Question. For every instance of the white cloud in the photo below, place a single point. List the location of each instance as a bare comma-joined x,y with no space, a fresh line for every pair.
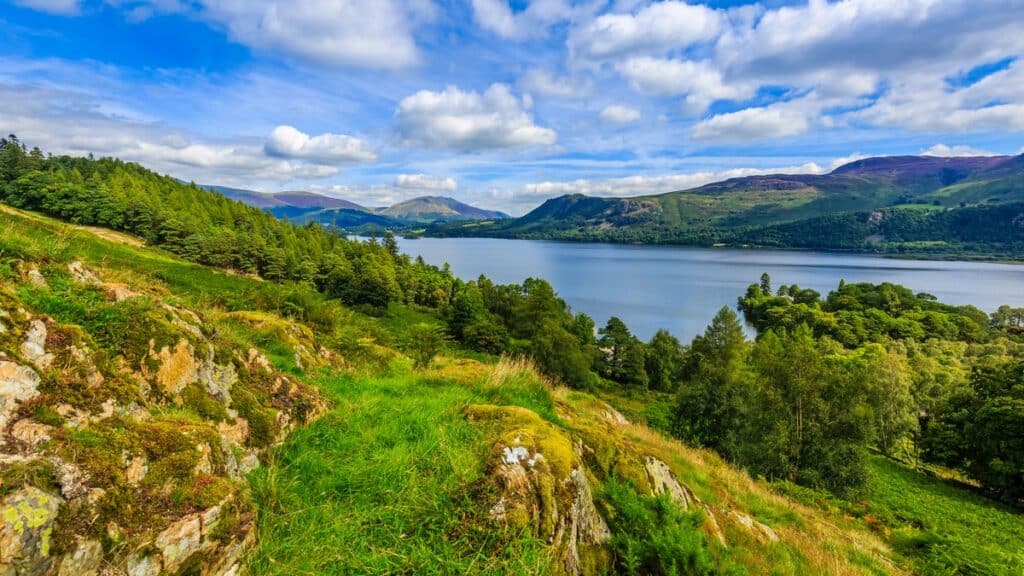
498,17
945,151
543,82
425,182
699,81
64,121
288,142
658,27
60,7
927,104
618,114
365,33
774,121
469,121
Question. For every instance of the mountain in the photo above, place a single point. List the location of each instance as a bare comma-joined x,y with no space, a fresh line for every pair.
305,207
434,208
890,204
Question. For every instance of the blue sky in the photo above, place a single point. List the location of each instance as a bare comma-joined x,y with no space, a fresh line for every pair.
505,103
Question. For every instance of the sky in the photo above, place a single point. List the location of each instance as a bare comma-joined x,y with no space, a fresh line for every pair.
505,103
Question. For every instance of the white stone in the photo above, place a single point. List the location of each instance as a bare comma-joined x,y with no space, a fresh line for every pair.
17,384
34,346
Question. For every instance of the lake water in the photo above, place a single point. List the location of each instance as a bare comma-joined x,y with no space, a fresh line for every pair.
677,288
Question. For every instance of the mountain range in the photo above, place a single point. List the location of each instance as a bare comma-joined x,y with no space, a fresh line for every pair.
305,207
903,204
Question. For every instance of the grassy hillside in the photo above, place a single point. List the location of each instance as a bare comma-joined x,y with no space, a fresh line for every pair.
407,470
898,205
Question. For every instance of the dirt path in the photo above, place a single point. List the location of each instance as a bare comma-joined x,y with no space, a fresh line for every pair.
106,234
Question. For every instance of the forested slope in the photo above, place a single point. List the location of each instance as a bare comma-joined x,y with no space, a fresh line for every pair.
900,205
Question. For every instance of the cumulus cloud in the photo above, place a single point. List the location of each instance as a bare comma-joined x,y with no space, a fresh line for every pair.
364,33
498,17
658,27
543,82
618,114
289,142
759,123
469,121
65,121
425,182
700,82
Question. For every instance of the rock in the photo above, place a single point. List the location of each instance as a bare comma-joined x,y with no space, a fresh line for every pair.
17,384
36,278
28,516
586,526
144,564
119,292
203,463
179,541
82,274
761,531
34,346
712,526
664,482
137,469
613,416
226,562
30,432
85,561
178,368
257,359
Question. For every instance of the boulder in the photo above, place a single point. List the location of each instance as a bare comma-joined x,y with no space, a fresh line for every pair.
28,516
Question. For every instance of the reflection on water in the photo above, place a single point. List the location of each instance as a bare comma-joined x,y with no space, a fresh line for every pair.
678,288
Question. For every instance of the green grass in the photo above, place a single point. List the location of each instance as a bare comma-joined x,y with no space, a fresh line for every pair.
942,528
382,484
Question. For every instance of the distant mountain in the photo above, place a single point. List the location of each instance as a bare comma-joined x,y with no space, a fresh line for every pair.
434,208
311,207
869,204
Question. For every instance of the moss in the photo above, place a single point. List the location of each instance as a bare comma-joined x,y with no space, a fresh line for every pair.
262,421
46,415
512,423
38,473
196,397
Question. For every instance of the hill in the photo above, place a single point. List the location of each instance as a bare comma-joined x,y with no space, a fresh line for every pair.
434,208
305,207
908,204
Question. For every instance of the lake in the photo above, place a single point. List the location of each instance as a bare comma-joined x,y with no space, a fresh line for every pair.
679,288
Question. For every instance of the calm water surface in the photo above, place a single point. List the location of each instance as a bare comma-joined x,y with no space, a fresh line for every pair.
652,287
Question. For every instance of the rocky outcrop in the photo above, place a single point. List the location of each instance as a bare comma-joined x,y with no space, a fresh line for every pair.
542,485
132,459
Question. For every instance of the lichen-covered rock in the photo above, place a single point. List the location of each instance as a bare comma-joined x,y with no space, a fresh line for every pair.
82,274
17,384
759,530
30,433
179,541
27,518
84,561
664,482
542,484
178,367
